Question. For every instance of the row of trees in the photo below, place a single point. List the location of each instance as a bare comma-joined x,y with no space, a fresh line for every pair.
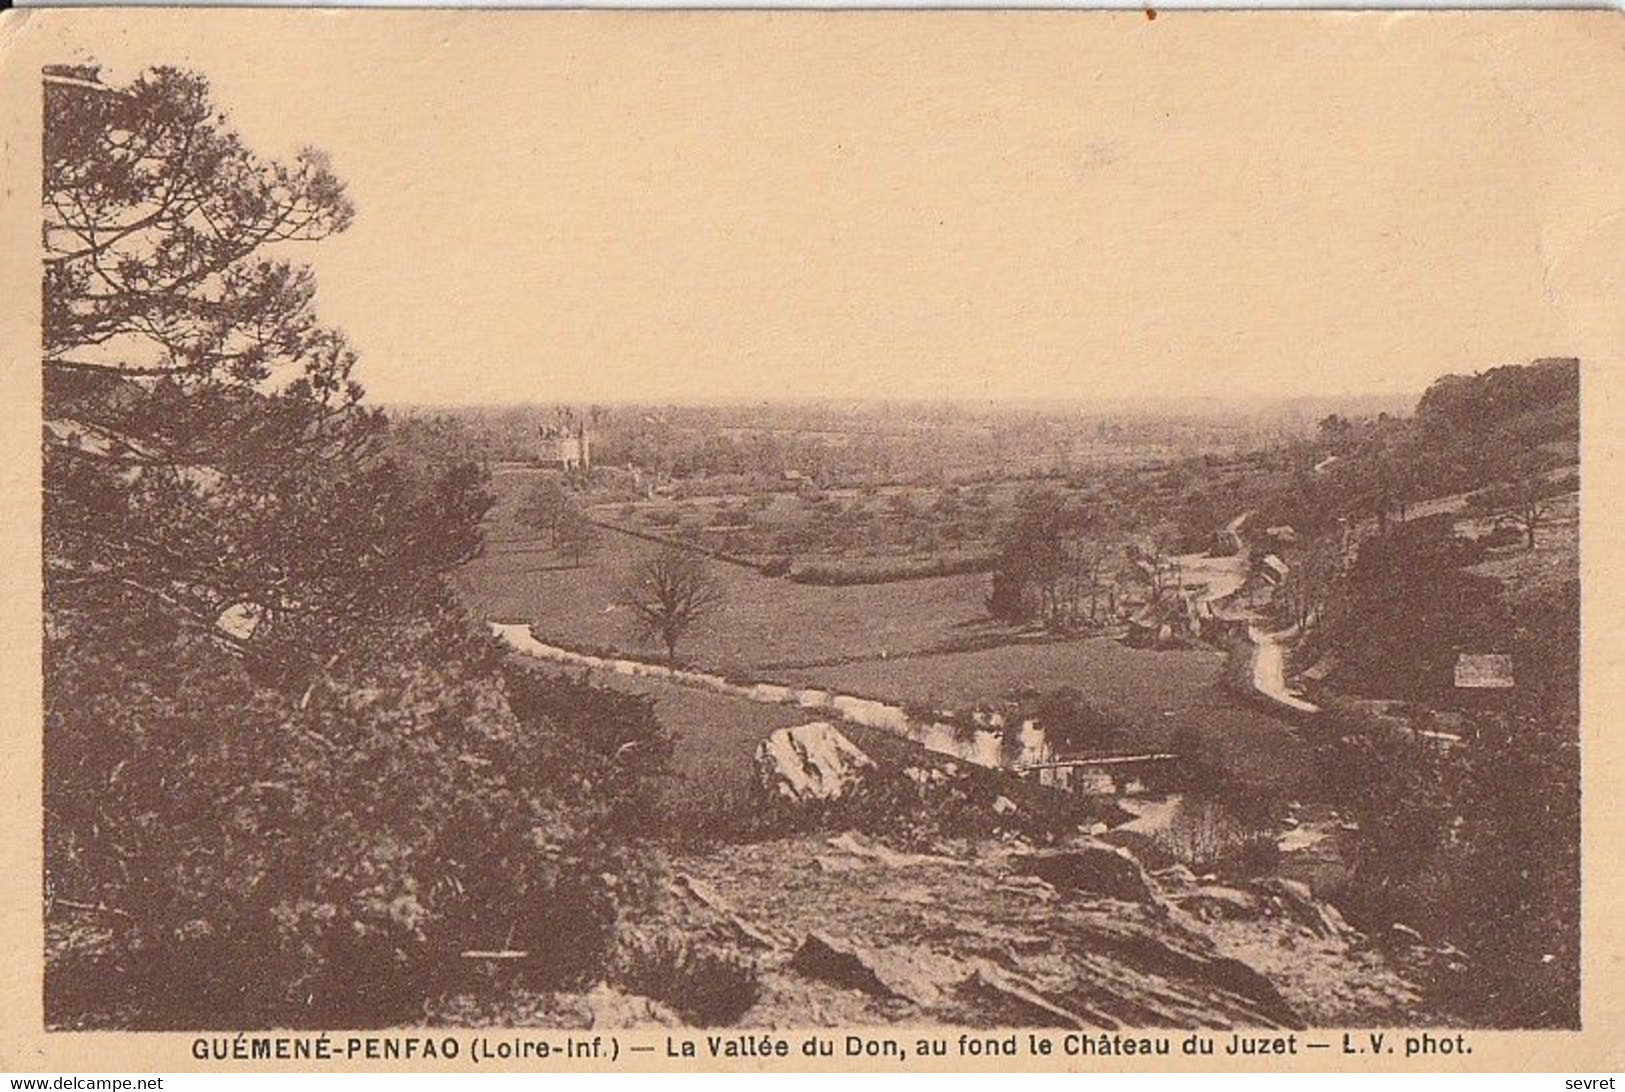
1505,430
1057,564
551,510
843,442
1069,565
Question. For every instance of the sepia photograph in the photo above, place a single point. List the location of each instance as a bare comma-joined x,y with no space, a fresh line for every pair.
768,521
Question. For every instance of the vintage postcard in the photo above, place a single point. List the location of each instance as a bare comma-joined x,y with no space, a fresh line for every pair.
834,540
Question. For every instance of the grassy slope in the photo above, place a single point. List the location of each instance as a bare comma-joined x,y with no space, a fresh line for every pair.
1555,560
713,761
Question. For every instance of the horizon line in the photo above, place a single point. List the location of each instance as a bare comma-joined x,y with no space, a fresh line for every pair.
1229,404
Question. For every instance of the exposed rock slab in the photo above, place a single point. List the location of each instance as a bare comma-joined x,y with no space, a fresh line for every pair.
1109,871
895,974
1213,901
811,762
1297,903
983,941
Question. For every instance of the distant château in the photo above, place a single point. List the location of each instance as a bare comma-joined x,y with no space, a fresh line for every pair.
565,447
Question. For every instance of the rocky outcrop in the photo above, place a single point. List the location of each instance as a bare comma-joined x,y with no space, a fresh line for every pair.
608,1007
1094,868
811,762
907,975
728,920
994,933
1295,902
1001,991
1212,902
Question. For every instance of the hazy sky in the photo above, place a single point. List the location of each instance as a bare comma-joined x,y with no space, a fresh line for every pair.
659,207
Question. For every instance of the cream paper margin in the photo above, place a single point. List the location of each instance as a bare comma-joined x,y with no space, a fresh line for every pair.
1573,134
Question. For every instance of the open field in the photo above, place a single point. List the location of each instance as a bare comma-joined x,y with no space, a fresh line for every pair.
1160,693
763,622
884,641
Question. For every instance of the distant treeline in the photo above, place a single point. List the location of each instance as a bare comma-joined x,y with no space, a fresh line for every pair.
860,443
1468,433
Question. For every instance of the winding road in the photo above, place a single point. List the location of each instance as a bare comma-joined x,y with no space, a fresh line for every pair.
1269,669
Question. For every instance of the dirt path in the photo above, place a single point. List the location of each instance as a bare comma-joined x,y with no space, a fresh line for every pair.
1269,669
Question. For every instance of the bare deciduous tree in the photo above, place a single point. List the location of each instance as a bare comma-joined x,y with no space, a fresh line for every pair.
1154,558
575,533
1087,581
670,592
1529,509
1310,584
542,508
